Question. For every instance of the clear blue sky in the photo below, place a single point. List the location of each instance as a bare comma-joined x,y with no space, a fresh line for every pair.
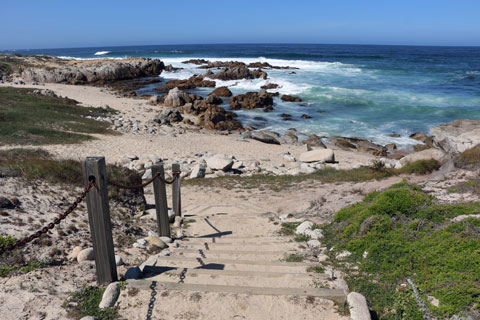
85,23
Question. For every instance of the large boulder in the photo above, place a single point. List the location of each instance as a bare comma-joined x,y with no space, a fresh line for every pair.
360,144
289,138
252,100
110,296
358,306
222,92
176,98
289,98
190,83
263,136
457,136
326,155
428,154
168,116
219,163
314,141
236,73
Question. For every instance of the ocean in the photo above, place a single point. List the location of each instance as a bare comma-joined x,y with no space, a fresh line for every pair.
368,91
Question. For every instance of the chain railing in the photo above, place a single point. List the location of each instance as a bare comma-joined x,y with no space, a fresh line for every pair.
51,225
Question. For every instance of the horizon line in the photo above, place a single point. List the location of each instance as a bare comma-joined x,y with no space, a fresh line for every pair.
247,43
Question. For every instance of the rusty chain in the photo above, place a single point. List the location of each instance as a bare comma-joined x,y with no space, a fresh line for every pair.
51,225
176,175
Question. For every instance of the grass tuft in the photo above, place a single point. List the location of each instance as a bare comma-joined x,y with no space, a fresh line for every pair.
293,257
469,159
85,301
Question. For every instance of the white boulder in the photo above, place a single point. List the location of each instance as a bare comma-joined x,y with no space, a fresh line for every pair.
326,155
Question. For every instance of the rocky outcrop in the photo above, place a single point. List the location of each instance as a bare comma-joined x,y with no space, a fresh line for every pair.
205,64
221,92
252,100
430,154
176,98
96,72
270,86
288,98
360,144
236,73
314,141
196,61
190,83
457,136
211,116
263,136
289,138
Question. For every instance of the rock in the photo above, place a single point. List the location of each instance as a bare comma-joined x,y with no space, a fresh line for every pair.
434,301
457,136
288,98
289,138
252,100
180,234
141,243
304,227
118,260
89,318
171,216
168,116
237,73
263,136
428,154
326,155
133,273
342,255
237,165
221,92
213,99
358,306
289,158
147,175
391,147
360,144
176,98
306,116
219,163
166,239
270,86
198,171
314,141
86,255
74,254
314,234
5,203
314,244
178,222
420,136
155,99
157,242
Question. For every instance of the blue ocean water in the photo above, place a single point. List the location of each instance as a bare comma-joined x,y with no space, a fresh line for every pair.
349,90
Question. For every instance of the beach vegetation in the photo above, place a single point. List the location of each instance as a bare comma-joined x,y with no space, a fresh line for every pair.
31,119
288,228
85,302
469,159
294,257
404,234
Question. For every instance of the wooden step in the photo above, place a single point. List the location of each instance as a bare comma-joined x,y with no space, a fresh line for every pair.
232,252
336,295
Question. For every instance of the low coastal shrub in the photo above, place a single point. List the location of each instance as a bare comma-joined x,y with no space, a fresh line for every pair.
31,119
288,228
293,257
85,302
403,233
421,167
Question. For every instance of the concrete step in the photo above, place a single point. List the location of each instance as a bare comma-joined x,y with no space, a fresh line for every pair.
236,278
336,295
229,254
232,264
235,239
242,247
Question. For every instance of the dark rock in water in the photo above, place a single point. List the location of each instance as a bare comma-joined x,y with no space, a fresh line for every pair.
394,135
306,116
286,116
267,65
190,83
270,86
420,136
263,136
168,116
236,73
288,98
251,100
213,99
5,203
391,147
360,144
221,92
217,118
224,64
196,61
171,68
314,141
96,72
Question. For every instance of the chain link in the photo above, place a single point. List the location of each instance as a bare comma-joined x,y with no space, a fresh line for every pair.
51,225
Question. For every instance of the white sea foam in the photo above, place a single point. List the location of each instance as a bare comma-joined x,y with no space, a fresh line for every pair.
101,53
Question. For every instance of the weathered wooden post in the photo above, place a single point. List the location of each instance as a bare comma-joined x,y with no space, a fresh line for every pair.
161,206
176,194
99,218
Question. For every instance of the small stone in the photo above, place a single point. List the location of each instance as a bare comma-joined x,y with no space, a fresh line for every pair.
133,273
5,203
358,306
180,234
218,163
314,234
322,257
166,239
314,243
157,242
304,227
110,296
132,157
86,255
171,216
152,234
89,318
147,175
118,260
344,254
289,158
178,221
141,243
198,171
74,254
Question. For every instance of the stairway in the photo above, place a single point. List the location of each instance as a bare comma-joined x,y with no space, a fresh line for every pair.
236,253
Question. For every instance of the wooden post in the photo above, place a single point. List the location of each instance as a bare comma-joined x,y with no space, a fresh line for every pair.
99,218
176,194
161,206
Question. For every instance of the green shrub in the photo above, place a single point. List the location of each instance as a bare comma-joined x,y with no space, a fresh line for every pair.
293,257
469,159
421,167
403,233
85,301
